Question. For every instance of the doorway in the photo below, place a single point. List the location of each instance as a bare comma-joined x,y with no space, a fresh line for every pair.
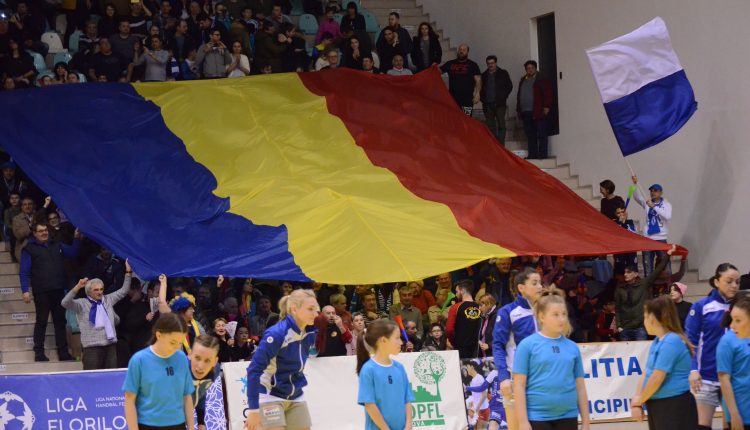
547,54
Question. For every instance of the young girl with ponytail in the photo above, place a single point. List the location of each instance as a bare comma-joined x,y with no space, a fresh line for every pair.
384,388
548,385
664,388
704,330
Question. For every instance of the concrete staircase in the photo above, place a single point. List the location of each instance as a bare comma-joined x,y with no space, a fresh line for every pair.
17,328
411,16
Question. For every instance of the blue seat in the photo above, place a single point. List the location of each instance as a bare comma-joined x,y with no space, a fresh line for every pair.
62,57
308,24
338,17
371,23
39,63
297,9
345,4
73,41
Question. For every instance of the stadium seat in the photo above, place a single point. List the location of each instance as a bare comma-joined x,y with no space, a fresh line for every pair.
338,17
39,63
345,4
61,24
62,57
371,22
73,41
52,39
308,24
297,9
81,77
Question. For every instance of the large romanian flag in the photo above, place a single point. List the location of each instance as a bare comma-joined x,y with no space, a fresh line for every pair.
335,176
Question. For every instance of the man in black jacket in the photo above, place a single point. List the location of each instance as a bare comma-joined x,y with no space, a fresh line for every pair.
496,87
42,269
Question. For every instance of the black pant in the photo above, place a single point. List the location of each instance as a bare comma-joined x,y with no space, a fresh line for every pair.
46,302
100,357
678,412
536,135
561,424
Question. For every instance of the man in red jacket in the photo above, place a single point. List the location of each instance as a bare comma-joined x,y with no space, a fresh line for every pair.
533,103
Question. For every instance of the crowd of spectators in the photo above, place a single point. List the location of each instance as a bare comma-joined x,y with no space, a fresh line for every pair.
163,40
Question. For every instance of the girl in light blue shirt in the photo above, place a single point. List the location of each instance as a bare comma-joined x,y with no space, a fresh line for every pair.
384,388
548,382
664,388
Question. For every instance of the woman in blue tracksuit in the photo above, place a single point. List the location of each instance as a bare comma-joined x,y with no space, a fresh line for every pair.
274,376
704,329
515,321
732,363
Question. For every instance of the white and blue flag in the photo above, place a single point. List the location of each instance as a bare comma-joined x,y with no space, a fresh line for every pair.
644,89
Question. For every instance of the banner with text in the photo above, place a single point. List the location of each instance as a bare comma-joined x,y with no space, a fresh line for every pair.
611,372
331,394
91,400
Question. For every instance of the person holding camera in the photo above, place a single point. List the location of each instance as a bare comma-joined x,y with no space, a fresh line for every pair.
213,57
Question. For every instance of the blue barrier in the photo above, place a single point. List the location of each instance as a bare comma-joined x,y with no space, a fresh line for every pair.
90,400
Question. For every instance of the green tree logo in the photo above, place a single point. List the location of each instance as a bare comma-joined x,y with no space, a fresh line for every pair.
429,369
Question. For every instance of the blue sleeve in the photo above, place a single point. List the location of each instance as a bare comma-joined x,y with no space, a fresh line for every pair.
500,336
485,385
133,377
72,249
578,364
25,271
521,360
366,392
693,327
669,354
724,355
267,349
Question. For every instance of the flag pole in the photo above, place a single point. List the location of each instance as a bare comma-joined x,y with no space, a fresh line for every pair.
632,173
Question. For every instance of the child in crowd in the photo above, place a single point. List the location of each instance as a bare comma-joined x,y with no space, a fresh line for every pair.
733,362
243,346
436,339
606,329
548,385
665,388
509,332
158,386
387,405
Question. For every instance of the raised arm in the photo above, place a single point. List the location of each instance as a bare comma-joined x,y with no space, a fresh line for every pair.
123,291
163,305
69,302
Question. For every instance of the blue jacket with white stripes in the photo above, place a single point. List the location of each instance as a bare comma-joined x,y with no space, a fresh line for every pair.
515,321
704,330
278,362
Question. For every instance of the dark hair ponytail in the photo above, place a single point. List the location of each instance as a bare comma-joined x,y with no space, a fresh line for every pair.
720,269
369,339
168,323
665,312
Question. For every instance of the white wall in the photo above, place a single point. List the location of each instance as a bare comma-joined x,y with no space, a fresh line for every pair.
705,168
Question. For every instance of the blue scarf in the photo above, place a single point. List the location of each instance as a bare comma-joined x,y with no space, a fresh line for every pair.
654,221
100,320
92,312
